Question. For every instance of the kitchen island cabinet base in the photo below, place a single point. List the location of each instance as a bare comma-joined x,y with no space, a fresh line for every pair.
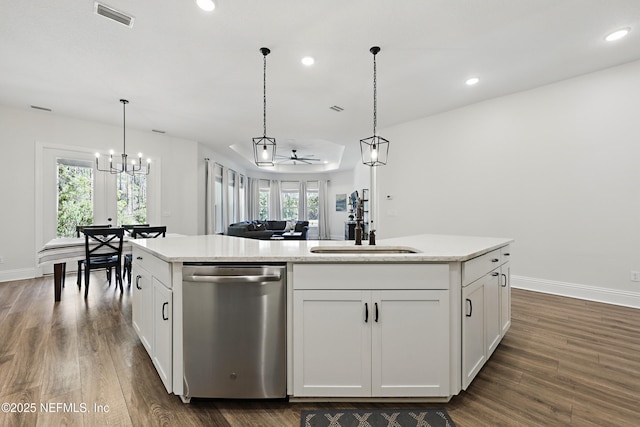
446,399
430,280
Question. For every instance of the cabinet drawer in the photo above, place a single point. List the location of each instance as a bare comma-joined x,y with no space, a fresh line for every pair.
371,276
477,267
158,268
505,254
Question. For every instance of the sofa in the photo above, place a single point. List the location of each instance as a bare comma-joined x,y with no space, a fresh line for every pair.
269,230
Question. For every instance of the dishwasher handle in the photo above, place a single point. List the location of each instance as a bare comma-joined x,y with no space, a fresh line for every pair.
233,279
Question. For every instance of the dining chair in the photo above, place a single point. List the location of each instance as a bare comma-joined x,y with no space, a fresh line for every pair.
129,227
79,230
148,232
103,249
141,232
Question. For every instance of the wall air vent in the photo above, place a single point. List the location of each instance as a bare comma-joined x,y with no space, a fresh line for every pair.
336,108
113,14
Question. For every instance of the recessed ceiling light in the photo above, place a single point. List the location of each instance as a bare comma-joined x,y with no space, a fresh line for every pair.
617,35
307,60
206,5
472,81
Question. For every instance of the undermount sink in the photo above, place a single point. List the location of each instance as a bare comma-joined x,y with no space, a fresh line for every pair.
364,249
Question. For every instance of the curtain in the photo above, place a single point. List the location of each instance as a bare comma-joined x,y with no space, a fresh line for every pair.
275,210
323,211
208,197
302,201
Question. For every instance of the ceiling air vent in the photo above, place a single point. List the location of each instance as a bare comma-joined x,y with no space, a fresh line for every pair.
36,107
113,14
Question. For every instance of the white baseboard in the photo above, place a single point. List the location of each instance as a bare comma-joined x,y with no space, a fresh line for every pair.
573,290
20,274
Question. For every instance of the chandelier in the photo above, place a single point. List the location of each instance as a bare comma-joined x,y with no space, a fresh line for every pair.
374,149
133,168
264,147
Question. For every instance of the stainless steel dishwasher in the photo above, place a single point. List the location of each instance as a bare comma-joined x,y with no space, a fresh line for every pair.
234,331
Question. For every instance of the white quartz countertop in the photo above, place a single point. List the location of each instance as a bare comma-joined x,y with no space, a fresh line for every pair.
219,248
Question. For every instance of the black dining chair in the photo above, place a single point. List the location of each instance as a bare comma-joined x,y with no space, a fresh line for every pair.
129,227
103,249
141,232
79,229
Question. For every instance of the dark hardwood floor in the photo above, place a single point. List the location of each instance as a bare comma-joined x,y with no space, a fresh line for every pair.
563,362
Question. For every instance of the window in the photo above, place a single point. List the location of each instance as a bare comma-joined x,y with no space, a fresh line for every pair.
75,195
132,199
290,193
264,199
312,203
217,203
242,198
231,195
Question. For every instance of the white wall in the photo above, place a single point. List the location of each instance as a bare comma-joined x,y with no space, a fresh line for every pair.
557,168
20,129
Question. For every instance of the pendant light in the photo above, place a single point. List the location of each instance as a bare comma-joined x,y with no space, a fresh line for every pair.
135,168
264,148
374,149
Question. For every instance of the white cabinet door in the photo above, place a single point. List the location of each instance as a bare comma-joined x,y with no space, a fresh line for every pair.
162,332
493,328
473,334
332,343
142,300
410,345
505,297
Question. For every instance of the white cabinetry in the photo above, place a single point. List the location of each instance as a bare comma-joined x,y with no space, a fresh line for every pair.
371,330
486,309
505,291
162,332
473,333
142,315
152,311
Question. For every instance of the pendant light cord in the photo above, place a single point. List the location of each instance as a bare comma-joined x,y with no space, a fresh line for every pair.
264,95
124,127
375,102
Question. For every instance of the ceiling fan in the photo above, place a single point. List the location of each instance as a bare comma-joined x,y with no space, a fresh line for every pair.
294,158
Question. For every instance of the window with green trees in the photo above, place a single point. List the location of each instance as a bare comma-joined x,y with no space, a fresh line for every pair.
75,196
132,199
263,195
312,202
290,198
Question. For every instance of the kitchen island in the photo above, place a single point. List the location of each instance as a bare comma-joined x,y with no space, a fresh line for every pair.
412,318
